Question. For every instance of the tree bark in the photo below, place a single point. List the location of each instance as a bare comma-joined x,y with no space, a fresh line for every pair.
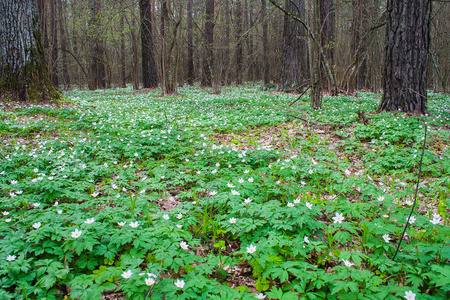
240,47
208,40
190,45
63,35
316,80
97,66
265,44
228,61
295,56
23,70
327,18
149,74
406,56
123,83
54,30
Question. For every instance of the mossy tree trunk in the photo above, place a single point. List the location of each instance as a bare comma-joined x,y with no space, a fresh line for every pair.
406,56
23,70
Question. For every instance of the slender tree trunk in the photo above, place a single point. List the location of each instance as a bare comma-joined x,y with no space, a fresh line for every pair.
149,74
250,54
316,81
294,64
240,46
406,56
23,71
134,48
327,21
163,46
63,35
54,30
208,40
190,45
97,73
265,43
123,83
228,61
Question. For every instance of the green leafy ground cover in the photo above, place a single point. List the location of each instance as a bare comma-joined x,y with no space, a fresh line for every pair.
222,197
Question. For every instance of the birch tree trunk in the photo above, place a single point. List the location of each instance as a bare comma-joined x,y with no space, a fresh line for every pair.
23,70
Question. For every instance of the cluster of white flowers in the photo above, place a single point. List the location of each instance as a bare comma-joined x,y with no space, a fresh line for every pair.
436,219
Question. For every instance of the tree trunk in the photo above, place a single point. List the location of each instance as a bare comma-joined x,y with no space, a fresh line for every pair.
123,83
240,47
208,39
23,70
190,45
228,62
406,56
97,76
149,74
54,30
265,44
327,18
294,64
63,35
316,80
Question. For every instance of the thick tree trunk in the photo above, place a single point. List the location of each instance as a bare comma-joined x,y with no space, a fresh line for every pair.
295,55
406,56
54,30
208,39
190,45
63,35
240,46
149,74
265,44
23,70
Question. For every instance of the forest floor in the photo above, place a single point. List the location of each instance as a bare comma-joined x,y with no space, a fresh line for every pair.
125,195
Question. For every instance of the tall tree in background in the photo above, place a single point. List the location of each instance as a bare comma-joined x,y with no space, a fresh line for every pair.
315,53
208,40
294,61
406,56
54,57
149,74
63,35
240,46
123,83
265,45
190,45
171,17
97,71
23,70
327,22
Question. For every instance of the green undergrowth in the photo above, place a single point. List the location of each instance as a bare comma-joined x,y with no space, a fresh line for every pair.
230,196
